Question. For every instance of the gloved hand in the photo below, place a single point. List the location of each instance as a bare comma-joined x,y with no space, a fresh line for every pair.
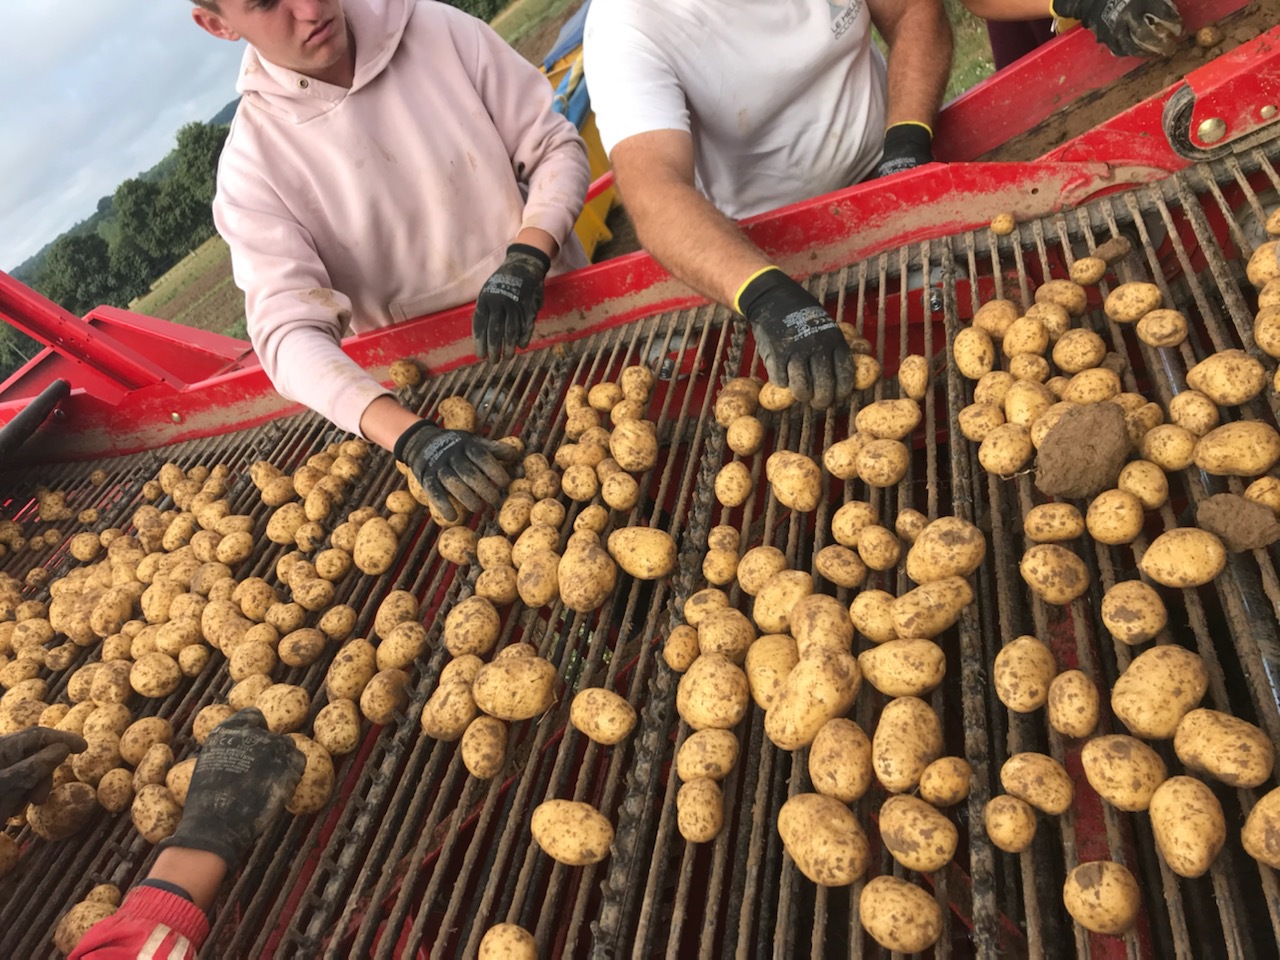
1128,28
800,344
509,302
244,777
455,462
907,144
27,761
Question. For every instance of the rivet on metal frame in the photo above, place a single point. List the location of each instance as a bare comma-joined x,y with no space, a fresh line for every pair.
1212,130
176,417
1267,112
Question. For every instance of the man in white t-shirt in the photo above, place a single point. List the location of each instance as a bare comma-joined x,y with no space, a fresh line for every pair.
715,110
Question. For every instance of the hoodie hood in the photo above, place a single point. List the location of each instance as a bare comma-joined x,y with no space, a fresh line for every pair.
377,26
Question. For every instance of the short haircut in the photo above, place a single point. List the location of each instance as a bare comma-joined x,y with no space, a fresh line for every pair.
208,5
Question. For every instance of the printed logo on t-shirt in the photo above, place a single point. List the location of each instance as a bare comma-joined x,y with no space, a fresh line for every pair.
843,13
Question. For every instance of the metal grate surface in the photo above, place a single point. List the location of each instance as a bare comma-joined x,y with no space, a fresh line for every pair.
414,858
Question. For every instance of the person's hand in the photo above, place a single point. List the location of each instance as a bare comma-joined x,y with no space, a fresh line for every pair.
800,344
455,462
509,302
244,777
1128,28
906,145
27,761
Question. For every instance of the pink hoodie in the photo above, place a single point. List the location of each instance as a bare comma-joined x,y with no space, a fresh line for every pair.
348,210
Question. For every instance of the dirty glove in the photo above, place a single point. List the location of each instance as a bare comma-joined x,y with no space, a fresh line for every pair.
27,761
800,344
509,302
455,462
906,145
243,779
1128,28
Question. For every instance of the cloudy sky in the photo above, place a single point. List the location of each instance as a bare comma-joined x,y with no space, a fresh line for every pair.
95,92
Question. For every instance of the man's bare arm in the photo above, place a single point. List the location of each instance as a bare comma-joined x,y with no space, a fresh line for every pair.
920,47
1008,9
680,227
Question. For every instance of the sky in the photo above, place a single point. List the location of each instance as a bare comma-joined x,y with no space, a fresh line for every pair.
97,90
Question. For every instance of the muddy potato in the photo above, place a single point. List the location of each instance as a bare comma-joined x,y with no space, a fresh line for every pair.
1188,825
284,706
1123,770
840,760
726,632
1261,833
1115,517
376,546
916,835
1162,328
1088,270
75,923
978,421
848,521
316,786
946,781
930,608
1227,748
1078,350
840,565
733,484
1102,897
646,553
681,648
1039,780
1010,823
634,444
824,839
974,352
154,766
699,810
947,547
1130,302
1157,689
908,737
1184,557
1245,448
1053,523
1228,378
1022,673
795,480
337,727
904,668
899,915
888,419
384,696
516,688
712,693
484,748
995,317
702,603
155,812
1054,573
1030,366
1146,481
472,626
67,809
1133,612
141,735
872,614
449,711
571,832
351,670
769,661
1073,704
774,601
115,790
1026,335
1005,450
1070,296
602,715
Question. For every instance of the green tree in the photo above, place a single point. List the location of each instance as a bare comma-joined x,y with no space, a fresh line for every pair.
77,272
16,348
199,146
136,203
131,271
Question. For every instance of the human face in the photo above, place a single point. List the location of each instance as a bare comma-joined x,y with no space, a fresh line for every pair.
306,36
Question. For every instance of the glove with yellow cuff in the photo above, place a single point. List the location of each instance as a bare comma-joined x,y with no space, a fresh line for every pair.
1128,28
907,144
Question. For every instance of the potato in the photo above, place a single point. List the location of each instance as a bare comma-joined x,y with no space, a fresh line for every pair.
995,317
1026,335
878,548
703,603
1188,825
1227,748
507,941
904,668
824,839
1162,328
1123,771
794,479
337,727
946,781
646,553
821,686
727,632
399,649
1147,482
571,832
757,566
1130,302
1005,450
284,706
817,621
384,696
841,458
1054,574
1070,296
634,444
1039,780
472,626
888,419
1088,270
774,601
700,810
710,754
316,786
68,809
917,835
1030,366
586,577
155,812
449,711
899,915
908,737
1010,823
872,614
1073,704
1053,523
947,547
1096,385
376,547
517,688
712,693
1115,517
155,675
1026,402
1245,448
154,766
840,565
1133,612
1263,266
719,567
840,760
931,608
1102,897
733,484
768,662
1022,672
882,463
1261,833
1184,557
973,352
602,715
1228,378
139,737
979,420
75,923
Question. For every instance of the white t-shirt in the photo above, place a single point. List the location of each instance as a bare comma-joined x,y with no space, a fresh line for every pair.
785,99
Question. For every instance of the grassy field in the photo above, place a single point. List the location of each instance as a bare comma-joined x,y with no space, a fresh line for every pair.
200,292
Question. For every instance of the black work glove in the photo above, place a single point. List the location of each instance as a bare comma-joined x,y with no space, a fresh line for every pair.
1128,28
244,777
27,761
509,302
455,462
801,345
906,145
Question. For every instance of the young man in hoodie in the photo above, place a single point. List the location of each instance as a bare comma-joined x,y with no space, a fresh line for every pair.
390,158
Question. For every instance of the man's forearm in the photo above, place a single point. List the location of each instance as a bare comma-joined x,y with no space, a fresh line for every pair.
919,64
1008,9
684,232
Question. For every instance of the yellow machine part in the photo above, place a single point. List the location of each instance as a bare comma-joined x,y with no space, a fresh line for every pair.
591,227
